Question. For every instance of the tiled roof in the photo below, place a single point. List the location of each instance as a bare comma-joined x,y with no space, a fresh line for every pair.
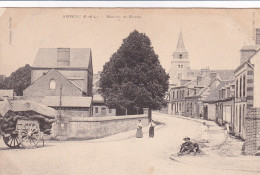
214,94
67,101
47,57
225,74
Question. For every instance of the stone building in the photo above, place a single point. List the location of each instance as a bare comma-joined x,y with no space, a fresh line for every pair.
54,67
62,78
180,64
244,79
63,75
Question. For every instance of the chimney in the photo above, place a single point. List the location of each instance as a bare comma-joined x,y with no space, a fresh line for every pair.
246,53
199,79
63,56
205,72
213,76
257,37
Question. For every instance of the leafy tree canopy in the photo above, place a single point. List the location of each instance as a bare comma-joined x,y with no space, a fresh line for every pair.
18,80
134,78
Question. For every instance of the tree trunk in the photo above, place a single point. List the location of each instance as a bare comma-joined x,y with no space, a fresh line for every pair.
149,115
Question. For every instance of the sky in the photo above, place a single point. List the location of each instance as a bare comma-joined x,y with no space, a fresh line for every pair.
213,37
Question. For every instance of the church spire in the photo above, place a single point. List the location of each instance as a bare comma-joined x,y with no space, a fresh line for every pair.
180,45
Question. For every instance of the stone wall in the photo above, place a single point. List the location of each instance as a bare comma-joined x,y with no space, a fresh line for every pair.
252,143
98,127
95,127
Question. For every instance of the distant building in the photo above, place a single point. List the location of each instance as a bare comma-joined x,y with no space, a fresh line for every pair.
96,83
219,105
180,64
189,88
99,108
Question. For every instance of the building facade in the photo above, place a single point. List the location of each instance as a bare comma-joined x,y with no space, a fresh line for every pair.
244,88
52,68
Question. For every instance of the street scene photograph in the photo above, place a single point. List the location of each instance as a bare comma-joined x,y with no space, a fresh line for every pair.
129,91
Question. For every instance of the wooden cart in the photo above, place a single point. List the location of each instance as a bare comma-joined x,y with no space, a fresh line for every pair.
23,123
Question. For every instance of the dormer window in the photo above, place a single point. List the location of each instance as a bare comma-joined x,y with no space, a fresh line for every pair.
180,55
52,84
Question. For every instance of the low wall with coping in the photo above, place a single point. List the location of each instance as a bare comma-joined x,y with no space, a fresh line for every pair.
98,127
95,127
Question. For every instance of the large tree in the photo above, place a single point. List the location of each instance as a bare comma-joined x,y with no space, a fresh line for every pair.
18,80
134,78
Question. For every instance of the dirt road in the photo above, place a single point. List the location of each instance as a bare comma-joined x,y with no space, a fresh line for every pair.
123,154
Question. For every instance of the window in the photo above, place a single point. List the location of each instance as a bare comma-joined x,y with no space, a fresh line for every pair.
181,66
96,109
180,55
173,94
250,72
52,84
244,86
237,88
240,87
110,111
240,116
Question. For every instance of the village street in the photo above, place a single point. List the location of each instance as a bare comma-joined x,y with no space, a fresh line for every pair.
123,154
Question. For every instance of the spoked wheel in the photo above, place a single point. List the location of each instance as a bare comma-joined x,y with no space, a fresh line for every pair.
29,134
12,140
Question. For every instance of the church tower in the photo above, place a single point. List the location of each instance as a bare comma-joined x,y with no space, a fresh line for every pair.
180,64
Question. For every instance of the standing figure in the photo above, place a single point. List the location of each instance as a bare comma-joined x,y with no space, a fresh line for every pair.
151,129
139,132
204,135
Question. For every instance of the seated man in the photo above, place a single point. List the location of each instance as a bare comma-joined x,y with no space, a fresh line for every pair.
188,146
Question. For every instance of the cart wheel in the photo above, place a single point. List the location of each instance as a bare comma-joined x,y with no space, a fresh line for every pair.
12,140
29,134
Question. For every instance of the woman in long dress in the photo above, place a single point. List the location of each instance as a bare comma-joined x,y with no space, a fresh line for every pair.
139,132
151,129
204,135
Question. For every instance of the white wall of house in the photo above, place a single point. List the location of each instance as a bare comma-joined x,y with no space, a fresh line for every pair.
99,111
212,112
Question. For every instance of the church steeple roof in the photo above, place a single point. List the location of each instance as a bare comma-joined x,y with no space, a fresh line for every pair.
180,45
